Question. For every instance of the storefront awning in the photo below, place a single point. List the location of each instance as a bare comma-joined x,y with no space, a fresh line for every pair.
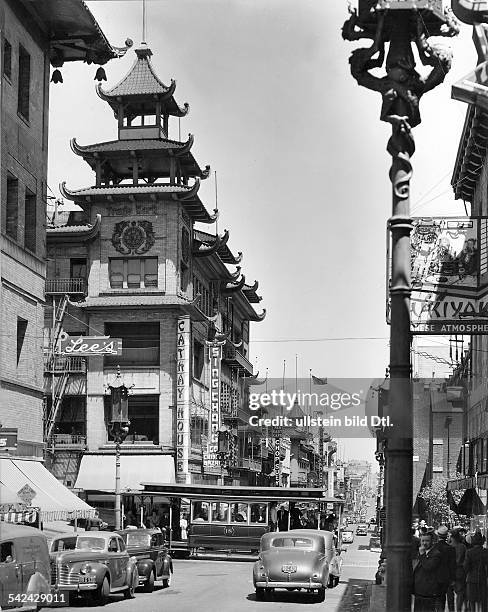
461,483
56,502
97,472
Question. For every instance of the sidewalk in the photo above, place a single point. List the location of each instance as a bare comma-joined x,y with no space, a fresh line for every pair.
377,602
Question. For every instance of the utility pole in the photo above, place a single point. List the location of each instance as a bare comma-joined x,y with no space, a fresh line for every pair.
401,24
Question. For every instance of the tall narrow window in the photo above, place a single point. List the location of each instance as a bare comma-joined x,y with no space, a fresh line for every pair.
21,329
12,218
30,220
24,83
7,59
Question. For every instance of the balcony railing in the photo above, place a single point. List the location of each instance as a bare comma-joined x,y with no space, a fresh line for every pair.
65,363
66,440
66,285
235,359
250,464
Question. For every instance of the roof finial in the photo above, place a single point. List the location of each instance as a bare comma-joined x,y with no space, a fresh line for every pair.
144,41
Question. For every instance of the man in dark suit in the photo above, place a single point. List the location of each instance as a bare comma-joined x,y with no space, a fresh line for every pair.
425,575
447,569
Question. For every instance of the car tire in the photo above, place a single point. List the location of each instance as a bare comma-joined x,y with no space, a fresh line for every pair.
149,584
167,582
260,592
134,583
321,594
101,594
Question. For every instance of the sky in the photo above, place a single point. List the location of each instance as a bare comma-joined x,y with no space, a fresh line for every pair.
300,156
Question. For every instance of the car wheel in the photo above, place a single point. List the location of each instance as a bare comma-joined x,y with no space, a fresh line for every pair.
149,584
321,594
260,593
167,582
134,583
100,595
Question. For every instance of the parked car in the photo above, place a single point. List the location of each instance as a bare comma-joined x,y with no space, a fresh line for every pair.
347,537
153,561
24,568
93,563
362,529
297,559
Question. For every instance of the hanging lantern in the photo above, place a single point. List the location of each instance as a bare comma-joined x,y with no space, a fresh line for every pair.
57,77
100,75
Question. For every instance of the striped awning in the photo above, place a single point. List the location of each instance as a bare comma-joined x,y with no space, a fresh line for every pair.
24,516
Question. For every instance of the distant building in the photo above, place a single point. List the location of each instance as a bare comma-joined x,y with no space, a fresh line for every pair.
133,264
34,36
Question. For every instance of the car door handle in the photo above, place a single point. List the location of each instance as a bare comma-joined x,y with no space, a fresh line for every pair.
17,570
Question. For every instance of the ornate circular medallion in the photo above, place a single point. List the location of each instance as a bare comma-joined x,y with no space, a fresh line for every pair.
133,237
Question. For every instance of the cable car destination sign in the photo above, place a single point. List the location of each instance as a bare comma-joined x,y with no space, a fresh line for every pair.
89,346
449,272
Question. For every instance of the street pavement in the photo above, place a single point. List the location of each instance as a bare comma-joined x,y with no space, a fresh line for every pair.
225,585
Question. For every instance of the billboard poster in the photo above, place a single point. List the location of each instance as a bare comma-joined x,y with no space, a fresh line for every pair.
449,276
210,457
183,400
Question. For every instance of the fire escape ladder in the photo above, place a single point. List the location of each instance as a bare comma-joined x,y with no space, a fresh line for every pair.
57,399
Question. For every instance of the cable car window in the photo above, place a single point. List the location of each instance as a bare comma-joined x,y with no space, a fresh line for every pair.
220,511
200,511
239,513
258,513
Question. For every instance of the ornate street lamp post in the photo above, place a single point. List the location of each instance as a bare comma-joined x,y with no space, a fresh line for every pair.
223,449
400,23
119,428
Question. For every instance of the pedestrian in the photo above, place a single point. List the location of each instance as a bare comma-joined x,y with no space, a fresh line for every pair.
456,594
335,567
415,543
425,570
476,568
184,526
273,517
447,569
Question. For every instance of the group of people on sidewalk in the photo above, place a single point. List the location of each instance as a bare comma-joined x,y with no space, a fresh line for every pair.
450,567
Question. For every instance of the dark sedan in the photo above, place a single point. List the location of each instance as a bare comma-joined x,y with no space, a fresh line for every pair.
153,561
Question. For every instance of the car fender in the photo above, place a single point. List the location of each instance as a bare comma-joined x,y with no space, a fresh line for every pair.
144,567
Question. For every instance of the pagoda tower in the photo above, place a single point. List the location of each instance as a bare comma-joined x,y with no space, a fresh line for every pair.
160,285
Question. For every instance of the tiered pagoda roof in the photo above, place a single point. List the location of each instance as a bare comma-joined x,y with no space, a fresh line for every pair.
141,86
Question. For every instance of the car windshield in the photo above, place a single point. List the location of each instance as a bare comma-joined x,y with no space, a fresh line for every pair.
292,542
138,539
87,543
347,533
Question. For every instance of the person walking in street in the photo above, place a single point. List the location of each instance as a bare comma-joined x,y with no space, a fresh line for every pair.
447,569
476,568
425,575
456,594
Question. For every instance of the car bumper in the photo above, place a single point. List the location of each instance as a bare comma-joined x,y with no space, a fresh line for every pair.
85,586
272,584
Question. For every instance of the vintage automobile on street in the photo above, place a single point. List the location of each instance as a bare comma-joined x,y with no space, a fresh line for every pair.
153,561
347,536
297,559
93,562
362,529
24,568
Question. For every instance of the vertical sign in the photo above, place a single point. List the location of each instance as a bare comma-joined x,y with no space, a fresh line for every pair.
277,461
183,400
210,458
321,457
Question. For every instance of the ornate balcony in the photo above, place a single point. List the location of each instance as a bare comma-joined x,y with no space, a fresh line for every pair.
65,363
253,465
68,441
62,286
235,359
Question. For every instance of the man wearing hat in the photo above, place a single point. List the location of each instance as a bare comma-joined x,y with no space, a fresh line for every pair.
476,568
425,575
446,575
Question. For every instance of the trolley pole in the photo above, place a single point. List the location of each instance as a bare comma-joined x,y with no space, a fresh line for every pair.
400,24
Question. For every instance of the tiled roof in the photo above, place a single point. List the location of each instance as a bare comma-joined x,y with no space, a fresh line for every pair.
129,145
129,190
141,78
59,229
223,252
82,230
134,301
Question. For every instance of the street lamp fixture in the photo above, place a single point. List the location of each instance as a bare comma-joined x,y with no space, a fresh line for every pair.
400,24
119,428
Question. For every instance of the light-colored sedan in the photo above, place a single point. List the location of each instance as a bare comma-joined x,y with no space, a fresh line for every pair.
347,537
294,560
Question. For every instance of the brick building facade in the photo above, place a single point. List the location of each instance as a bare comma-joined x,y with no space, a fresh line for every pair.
134,263
33,37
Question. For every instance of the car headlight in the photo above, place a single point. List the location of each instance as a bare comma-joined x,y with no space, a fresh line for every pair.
85,568
315,575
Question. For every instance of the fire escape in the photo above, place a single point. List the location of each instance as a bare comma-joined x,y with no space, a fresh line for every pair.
58,368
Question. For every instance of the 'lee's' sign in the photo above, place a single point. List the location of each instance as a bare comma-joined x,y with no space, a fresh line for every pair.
86,346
